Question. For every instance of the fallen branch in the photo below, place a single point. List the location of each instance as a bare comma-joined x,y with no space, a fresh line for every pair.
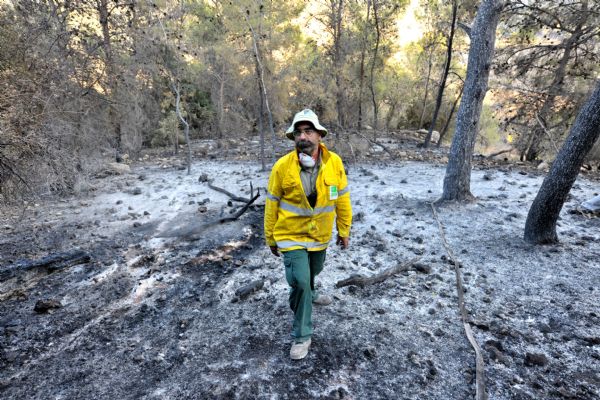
362,281
240,211
51,263
480,367
499,152
231,195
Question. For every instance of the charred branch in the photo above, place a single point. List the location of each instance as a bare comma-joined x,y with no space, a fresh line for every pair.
51,263
240,211
362,281
231,195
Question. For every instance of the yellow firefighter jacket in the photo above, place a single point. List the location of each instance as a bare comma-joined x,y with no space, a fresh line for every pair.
290,222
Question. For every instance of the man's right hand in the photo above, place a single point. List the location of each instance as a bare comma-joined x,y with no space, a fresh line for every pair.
274,250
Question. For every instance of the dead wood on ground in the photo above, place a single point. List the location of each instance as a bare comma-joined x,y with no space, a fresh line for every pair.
240,211
479,365
362,281
387,150
51,263
229,194
250,288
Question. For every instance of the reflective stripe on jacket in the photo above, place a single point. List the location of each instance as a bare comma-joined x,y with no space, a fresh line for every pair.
290,222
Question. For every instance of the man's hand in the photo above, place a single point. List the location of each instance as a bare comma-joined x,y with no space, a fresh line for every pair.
274,250
343,241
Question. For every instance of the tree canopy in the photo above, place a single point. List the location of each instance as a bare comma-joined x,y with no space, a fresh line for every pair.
86,80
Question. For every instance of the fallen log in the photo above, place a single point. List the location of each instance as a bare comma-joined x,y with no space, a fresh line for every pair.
51,263
362,281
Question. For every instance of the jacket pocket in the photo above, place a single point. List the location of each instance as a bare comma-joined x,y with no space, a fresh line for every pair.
331,186
292,191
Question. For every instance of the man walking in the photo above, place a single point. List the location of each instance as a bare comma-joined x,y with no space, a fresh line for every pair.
308,189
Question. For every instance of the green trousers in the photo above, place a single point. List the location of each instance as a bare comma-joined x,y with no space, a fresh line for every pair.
301,268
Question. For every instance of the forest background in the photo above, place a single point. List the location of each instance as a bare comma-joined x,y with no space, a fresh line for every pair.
86,82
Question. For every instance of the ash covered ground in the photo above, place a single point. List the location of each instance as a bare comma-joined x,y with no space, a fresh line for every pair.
154,313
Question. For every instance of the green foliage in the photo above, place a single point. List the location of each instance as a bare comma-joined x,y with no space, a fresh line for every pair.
199,107
167,132
489,130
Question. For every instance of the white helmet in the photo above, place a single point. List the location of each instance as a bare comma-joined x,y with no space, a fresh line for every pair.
306,115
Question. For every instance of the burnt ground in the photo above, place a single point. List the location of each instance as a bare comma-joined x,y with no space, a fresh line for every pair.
154,313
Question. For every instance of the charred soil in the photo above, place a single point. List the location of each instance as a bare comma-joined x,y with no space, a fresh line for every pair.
158,312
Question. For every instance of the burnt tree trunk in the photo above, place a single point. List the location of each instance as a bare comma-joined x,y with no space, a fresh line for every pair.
373,63
457,182
540,227
362,67
440,94
337,15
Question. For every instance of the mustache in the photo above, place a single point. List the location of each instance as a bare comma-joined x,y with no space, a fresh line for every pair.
304,143
305,147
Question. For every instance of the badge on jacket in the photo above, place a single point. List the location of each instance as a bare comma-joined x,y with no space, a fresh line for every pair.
333,193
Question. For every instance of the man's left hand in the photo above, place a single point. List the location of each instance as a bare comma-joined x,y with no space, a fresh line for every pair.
343,241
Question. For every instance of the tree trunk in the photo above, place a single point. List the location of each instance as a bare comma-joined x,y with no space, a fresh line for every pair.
261,132
440,94
221,101
450,114
337,12
390,115
362,67
540,227
457,182
186,125
424,106
261,82
113,113
373,63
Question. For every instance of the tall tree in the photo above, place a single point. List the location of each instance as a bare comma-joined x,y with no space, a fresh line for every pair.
361,72
260,72
336,22
457,181
540,226
442,87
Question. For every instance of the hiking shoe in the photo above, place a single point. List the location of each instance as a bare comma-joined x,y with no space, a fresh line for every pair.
322,300
299,350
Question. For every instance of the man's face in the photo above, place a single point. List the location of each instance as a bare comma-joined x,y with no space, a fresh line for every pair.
306,138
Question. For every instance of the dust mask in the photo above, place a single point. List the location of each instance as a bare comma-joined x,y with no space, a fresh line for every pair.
306,160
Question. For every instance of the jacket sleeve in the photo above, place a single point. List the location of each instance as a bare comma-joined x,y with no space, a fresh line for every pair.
274,193
343,208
